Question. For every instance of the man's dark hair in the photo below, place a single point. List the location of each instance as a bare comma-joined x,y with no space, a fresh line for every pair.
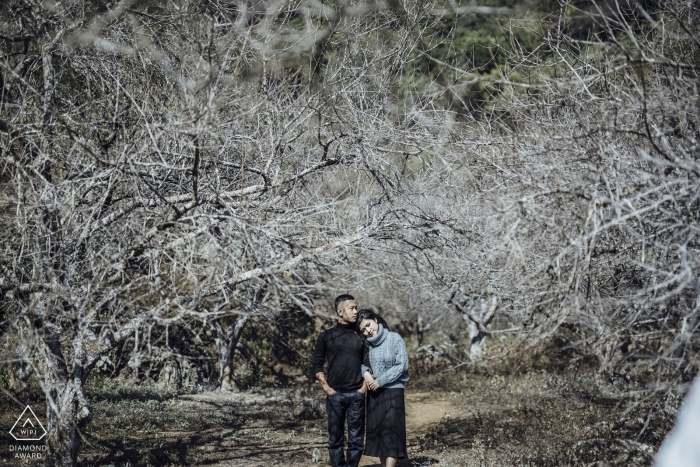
342,298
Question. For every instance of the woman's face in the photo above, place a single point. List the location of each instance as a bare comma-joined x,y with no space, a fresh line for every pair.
369,327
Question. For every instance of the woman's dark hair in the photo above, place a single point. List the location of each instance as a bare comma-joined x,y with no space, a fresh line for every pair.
369,314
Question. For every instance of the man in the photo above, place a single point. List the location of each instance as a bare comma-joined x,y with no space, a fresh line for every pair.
345,388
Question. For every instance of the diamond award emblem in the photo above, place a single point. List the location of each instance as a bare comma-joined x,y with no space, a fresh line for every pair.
28,427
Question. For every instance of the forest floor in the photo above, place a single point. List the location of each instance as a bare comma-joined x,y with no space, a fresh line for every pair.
527,418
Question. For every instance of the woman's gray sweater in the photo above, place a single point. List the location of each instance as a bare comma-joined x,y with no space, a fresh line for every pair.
388,357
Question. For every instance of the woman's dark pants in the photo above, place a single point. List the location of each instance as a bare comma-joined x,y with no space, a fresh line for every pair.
339,407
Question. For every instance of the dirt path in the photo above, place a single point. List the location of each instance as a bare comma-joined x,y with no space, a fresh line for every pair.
535,418
423,409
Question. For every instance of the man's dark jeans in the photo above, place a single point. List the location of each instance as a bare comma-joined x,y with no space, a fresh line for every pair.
339,406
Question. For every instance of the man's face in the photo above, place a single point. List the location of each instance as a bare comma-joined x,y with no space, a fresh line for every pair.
347,312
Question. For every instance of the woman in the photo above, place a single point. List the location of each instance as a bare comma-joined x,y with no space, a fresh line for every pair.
386,410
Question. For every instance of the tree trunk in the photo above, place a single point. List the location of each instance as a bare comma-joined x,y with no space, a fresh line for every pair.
226,346
20,370
61,408
478,317
67,409
477,339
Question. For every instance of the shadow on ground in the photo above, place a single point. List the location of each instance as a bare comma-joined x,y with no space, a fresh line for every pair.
414,462
533,418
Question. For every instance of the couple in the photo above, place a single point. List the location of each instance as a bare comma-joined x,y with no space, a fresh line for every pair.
362,354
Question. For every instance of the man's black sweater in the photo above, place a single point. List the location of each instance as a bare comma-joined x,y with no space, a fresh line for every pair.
345,351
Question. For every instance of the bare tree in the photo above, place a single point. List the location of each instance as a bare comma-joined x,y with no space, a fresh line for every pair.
157,158
201,162
584,204
608,176
572,199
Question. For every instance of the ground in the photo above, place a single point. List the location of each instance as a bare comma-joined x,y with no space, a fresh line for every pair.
527,418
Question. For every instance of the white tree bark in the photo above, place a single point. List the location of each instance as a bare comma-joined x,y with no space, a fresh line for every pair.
478,315
226,342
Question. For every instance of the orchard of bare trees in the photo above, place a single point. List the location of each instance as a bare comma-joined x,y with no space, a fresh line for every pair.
179,178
